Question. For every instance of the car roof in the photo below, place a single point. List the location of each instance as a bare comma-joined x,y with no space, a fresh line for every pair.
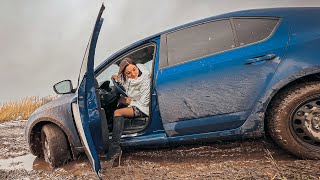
288,12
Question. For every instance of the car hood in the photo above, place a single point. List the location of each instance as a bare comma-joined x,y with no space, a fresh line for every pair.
64,99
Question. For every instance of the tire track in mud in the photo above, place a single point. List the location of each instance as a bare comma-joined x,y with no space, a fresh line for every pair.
245,159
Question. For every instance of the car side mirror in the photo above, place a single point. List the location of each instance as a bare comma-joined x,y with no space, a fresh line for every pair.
63,87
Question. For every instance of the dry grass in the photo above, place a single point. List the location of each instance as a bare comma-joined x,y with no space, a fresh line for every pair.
22,109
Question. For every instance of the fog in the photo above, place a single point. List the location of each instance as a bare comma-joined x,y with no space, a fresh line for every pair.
43,42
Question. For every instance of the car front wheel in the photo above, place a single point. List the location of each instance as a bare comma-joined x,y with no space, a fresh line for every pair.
293,121
54,145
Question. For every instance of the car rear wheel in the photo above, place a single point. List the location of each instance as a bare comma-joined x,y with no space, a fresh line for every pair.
293,121
54,145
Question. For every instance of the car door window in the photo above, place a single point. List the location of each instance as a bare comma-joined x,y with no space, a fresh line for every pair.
199,41
142,55
251,30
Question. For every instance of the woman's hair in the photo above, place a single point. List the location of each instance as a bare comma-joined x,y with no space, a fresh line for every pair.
123,64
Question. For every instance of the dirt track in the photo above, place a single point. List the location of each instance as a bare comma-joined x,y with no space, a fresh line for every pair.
251,159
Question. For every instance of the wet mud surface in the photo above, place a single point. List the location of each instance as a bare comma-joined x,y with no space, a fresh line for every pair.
246,159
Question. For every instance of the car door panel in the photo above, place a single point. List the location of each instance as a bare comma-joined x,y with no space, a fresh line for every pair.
217,88
89,116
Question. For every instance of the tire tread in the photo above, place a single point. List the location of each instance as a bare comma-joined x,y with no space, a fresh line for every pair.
276,123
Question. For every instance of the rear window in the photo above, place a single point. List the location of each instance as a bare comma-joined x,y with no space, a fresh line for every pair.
251,30
199,41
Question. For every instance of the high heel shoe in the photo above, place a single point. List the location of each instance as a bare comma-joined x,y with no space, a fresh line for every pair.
117,159
115,151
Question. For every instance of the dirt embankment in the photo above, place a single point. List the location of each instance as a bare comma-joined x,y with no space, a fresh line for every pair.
251,159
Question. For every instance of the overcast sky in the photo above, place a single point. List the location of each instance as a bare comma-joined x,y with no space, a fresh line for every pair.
43,41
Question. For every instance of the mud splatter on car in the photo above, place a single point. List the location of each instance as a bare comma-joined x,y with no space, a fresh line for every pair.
250,159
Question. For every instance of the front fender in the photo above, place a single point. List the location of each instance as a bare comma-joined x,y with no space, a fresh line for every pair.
58,112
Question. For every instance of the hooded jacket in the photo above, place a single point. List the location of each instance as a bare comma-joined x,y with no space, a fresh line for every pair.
138,90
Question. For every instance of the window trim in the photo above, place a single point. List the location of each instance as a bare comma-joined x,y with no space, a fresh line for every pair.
235,36
163,53
234,32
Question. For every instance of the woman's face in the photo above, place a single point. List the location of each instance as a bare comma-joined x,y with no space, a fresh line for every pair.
131,71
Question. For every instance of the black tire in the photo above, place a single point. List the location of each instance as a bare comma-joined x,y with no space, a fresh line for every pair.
54,145
286,120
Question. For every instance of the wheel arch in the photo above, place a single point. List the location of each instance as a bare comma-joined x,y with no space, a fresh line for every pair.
254,126
34,136
300,80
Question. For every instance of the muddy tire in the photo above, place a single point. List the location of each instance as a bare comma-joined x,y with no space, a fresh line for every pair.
293,120
54,145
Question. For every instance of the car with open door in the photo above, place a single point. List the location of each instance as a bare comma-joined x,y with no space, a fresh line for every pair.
237,75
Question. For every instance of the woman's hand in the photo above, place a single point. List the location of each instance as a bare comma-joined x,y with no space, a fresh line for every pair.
115,77
124,100
128,100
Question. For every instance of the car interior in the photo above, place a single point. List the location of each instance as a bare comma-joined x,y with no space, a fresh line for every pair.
109,93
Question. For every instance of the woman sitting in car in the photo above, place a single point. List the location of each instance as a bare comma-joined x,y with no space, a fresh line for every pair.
136,81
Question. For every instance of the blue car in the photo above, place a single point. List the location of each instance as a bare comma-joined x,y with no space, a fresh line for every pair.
233,76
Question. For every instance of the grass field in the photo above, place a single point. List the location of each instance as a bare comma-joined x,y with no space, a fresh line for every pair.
22,109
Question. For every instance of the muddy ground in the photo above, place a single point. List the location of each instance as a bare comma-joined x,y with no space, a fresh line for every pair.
250,159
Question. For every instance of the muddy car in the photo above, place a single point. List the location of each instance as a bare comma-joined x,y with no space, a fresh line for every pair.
232,76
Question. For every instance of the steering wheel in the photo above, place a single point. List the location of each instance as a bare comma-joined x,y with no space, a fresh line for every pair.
119,88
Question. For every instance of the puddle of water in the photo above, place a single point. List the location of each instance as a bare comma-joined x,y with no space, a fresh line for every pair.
30,162
77,167
41,165
20,162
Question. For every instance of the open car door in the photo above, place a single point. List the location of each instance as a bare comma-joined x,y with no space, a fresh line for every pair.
88,114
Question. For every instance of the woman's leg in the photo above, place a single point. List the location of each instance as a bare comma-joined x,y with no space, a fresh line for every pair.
124,112
118,122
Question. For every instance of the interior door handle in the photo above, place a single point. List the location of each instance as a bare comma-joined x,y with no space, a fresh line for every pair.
261,58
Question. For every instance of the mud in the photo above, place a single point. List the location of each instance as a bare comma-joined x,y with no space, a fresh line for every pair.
247,159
